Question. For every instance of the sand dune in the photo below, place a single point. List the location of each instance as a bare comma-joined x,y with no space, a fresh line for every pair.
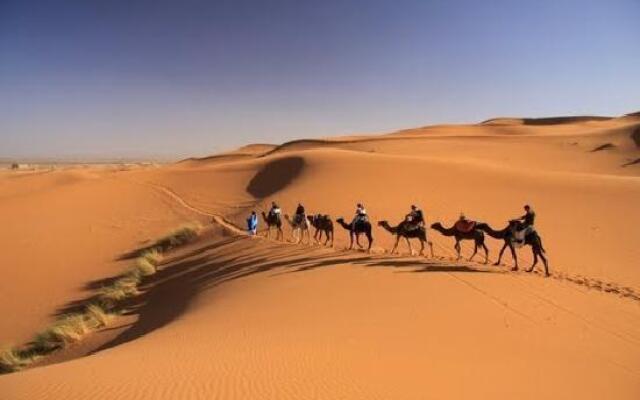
238,317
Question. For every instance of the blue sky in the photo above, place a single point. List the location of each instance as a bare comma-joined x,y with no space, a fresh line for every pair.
177,78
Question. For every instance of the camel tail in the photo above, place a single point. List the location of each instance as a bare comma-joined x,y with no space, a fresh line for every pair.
541,246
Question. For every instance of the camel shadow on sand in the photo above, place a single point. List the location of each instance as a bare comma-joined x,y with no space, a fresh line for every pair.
167,294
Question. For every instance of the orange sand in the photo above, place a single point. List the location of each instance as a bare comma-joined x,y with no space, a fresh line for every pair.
234,317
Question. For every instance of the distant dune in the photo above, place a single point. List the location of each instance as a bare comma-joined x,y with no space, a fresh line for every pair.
543,121
234,317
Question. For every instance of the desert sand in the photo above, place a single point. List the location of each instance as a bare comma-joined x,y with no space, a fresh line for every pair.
235,317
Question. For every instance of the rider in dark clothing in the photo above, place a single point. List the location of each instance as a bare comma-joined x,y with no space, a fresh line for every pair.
275,210
300,214
361,215
528,218
522,229
415,217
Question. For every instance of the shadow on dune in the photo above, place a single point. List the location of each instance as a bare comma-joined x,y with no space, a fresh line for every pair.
635,136
275,176
168,294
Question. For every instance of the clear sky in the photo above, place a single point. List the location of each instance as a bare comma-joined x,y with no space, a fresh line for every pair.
190,77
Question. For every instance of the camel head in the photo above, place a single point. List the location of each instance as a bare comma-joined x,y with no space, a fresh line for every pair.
436,225
340,220
383,223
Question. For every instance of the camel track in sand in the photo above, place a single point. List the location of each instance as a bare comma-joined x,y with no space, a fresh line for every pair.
599,285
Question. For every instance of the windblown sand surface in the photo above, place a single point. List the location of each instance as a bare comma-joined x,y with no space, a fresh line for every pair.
248,318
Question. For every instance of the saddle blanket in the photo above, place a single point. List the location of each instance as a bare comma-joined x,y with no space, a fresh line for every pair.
465,226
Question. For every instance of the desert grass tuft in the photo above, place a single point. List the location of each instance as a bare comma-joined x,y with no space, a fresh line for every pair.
71,328
153,256
11,360
98,315
144,266
68,329
178,237
124,287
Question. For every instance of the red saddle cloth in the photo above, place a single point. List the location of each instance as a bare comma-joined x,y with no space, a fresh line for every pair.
465,226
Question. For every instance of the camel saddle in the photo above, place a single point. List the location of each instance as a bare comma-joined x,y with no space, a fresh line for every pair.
465,226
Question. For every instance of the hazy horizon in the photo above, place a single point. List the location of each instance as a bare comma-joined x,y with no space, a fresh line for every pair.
142,79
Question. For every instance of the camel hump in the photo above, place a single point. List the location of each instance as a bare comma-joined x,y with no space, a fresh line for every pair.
465,226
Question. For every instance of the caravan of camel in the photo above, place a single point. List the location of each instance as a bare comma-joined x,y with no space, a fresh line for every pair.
413,226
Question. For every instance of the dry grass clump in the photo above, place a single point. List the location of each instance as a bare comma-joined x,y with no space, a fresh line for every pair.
67,329
71,328
11,360
98,315
153,256
145,267
124,287
178,237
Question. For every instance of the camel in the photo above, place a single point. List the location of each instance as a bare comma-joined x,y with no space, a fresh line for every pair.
532,239
322,223
476,235
273,221
302,227
402,231
356,231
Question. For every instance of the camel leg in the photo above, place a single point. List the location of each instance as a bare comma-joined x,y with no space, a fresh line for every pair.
395,246
546,264
358,240
537,252
486,253
409,244
535,261
351,244
431,248
370,239
515,257
501,252
475,251
421,248
458,249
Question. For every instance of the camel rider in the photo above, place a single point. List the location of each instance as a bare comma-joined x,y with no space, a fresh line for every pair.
528,218
275,210
300,214
361,215
526,226
415,218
